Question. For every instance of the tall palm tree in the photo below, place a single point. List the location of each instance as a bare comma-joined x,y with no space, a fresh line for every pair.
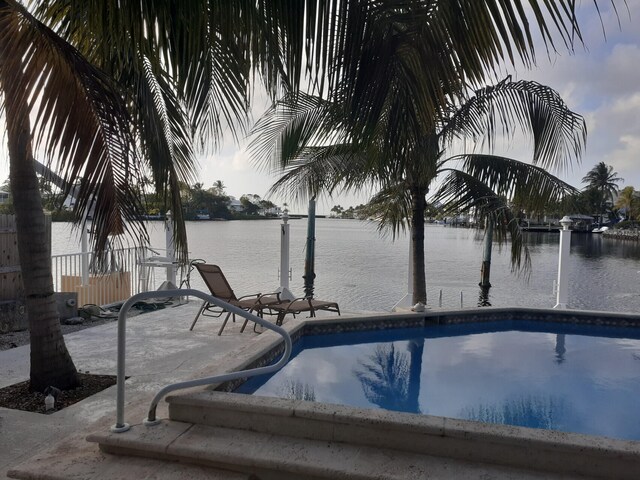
94,126
301,136
120,88
603,180
405,64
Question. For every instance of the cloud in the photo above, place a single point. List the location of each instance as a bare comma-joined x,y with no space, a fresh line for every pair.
240,161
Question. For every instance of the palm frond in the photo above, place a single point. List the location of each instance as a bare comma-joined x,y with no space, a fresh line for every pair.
318,170
559,134
164,137
461,192
530,186
292,124
81,121
391,208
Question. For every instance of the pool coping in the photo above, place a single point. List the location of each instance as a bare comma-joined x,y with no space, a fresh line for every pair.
524,447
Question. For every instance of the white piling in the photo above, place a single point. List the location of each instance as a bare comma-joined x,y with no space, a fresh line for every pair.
563,263
84,263
171,251
407,300
285,293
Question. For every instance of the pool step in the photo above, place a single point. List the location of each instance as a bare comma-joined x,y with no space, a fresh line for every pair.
276,438
277,457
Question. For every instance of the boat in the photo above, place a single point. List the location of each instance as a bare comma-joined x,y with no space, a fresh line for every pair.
203,216
599,229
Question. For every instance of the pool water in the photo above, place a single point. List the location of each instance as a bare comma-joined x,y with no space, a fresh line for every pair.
572,378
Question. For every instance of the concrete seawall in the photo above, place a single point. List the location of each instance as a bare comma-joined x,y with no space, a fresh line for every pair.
630,234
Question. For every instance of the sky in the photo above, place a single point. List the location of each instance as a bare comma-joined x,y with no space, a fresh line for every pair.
600,81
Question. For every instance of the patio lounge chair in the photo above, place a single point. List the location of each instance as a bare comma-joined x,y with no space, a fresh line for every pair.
219,287
299,305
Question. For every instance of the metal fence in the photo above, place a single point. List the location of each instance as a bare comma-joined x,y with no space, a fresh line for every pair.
112,277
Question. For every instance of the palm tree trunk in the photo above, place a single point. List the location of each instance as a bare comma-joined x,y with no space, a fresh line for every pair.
485,270
418,205
51,364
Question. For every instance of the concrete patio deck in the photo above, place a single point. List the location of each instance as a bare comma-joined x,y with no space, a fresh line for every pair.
160,350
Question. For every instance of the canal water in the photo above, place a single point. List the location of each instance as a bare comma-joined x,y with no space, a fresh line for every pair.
365,272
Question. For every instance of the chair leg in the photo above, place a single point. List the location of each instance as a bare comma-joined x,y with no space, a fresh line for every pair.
244,325
226,319
246,320
204,304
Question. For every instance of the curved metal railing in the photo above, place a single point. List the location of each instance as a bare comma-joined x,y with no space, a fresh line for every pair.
120,425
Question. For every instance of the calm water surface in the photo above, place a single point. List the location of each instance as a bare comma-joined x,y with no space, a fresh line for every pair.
364,272
539,376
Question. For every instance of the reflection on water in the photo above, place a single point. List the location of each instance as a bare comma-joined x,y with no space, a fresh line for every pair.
297,390
366,273
535,411
384,377
483,297
544,376
390,380
560,348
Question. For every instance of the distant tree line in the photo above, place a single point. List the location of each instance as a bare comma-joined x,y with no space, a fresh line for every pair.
600,198
198,202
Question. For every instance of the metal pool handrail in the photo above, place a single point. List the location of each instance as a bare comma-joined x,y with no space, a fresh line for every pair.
120,425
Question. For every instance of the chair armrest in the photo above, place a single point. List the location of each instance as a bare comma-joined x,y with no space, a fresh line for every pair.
300,298
276,294
257,295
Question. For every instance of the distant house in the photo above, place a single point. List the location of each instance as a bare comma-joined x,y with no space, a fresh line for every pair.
4,197
581,222
271,212
234,204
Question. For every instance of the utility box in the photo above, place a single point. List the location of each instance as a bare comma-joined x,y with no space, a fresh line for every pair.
67,303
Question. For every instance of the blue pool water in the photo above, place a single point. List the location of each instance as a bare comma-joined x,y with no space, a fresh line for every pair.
562,377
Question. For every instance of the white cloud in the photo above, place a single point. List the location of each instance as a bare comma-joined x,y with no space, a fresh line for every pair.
240,161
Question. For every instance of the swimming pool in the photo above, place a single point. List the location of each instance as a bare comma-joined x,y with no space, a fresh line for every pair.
569,377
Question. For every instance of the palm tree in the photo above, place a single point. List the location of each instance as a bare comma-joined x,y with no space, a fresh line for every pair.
112,97
219,187
404,65
290,135
627,200
603,180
